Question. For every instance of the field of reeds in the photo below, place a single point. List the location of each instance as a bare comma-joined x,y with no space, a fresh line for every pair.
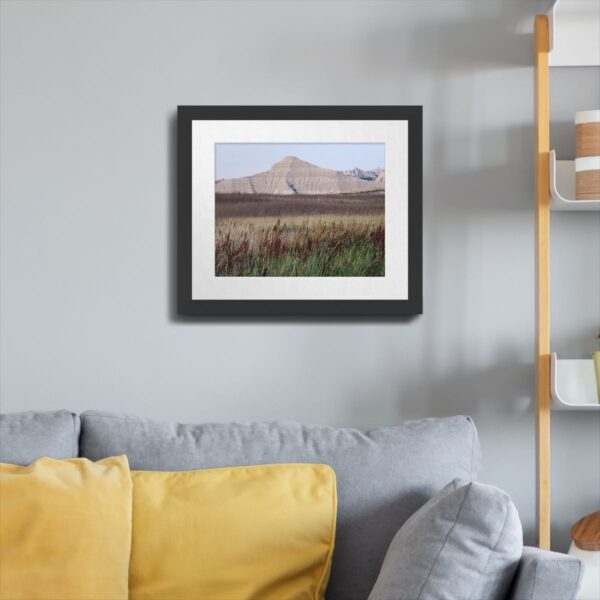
302,236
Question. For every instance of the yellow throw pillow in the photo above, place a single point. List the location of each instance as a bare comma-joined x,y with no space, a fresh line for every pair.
65,529
240,533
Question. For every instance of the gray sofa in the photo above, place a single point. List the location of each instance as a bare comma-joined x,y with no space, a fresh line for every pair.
383,476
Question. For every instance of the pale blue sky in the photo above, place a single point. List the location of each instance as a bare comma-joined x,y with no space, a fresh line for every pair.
239,160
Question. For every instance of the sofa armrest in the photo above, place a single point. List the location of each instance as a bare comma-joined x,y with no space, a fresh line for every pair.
544,575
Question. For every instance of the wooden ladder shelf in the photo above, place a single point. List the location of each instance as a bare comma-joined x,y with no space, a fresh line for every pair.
542,212
567,36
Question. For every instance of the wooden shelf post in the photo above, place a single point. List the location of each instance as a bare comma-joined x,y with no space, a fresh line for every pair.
542,202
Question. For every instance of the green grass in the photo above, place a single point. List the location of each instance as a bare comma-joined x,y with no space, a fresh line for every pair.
355,250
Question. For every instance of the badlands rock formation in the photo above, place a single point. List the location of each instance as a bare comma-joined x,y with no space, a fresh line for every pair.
294,176
370,175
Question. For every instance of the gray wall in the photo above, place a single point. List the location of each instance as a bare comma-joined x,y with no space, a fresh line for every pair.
89,91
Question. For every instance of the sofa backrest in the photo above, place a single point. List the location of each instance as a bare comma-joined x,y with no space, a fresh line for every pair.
383,476
27,436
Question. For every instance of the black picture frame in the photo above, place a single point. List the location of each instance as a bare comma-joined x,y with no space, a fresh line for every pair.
186,305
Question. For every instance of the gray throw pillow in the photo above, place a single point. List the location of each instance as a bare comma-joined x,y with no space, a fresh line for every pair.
464,544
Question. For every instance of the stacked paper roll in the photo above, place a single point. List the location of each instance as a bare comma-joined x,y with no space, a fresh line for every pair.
587,155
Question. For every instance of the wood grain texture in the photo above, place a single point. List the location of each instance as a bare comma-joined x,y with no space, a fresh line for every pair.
587,139
542,200
587,185
586,532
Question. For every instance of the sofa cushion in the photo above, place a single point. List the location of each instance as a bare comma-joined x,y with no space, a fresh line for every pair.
383,476
264,532
546,575
465,543
27,436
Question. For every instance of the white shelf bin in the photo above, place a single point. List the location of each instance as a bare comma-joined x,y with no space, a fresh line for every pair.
562,187
574,33
573,384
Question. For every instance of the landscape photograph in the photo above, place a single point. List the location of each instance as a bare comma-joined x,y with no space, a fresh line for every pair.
300,210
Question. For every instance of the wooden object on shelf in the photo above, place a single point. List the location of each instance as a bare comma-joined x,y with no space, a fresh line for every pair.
587,139
587,154
587,182
542,212
586,532
587,133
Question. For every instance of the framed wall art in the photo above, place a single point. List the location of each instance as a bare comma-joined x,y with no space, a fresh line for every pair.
300,210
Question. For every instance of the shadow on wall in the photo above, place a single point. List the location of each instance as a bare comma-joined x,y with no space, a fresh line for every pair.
468,180
472,392
489,37
492,35
464,174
